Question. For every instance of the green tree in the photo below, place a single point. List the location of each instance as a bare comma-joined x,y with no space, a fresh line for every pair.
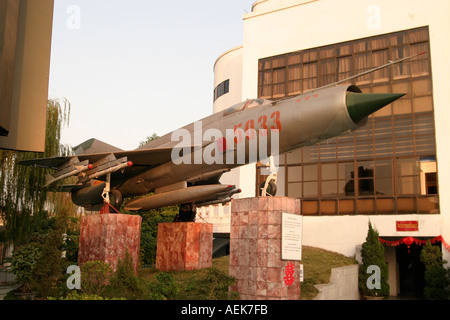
48,274
149,232
436,277
23,191
154,136
372,283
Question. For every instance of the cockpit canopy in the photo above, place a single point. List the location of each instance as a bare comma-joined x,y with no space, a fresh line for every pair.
247,104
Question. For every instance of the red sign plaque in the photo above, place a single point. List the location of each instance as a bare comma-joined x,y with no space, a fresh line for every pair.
407,225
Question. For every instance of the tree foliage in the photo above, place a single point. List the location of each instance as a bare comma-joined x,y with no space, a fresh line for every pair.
23,191
154,136
372,254
437,280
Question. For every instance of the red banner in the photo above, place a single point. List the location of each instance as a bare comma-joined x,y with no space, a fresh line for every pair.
411,240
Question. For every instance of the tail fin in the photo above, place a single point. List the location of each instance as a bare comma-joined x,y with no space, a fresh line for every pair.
94,146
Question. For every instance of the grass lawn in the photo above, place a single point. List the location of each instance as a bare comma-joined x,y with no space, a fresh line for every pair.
317,265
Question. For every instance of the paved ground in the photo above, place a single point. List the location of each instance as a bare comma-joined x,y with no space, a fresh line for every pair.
4,289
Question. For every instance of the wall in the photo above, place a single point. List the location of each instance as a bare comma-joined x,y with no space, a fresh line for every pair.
343,285
29,72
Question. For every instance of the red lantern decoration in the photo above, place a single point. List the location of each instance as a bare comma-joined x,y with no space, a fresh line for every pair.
410,240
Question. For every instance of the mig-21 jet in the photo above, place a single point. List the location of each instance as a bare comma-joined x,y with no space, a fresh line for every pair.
184,167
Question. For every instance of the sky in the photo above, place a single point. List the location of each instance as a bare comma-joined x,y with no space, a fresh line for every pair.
131,68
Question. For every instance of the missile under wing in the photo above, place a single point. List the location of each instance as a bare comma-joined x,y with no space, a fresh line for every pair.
184,167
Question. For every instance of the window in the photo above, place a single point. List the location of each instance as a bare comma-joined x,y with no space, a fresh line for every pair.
387,165
222,89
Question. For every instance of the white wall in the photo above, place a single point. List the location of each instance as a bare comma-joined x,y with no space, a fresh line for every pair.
229,66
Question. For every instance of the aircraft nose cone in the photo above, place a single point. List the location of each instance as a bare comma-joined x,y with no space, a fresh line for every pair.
361,105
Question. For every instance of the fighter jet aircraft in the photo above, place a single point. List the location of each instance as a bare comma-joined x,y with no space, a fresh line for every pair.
184,167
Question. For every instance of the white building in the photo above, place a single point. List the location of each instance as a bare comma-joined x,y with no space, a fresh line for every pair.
393,170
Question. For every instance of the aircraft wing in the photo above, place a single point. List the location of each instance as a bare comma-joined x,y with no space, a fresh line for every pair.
150,157
98,165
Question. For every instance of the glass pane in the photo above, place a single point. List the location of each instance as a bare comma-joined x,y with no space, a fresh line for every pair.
402,106
294,87
279,90
310,172
401,87
278,62
346,171
329,171
423,104
329,188
310,55
364,149
380,42
344,49
344,188
328,151
309,84
294,190
408,167
404,145
345,150
294,173
403,127
327,52
294,156
408,185
424,124
294,73
309,70
311,153
383,128
383,168
425,145
384,186
380,58
365,178
281,181
310,189
294,58
421,87
384,147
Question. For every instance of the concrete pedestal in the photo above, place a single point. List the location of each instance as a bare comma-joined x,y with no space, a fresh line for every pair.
107,237
255,249
184,246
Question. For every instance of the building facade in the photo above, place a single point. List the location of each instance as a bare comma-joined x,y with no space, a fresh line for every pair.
390,172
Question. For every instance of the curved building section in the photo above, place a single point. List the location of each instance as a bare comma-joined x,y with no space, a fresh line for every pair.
228,79
269,5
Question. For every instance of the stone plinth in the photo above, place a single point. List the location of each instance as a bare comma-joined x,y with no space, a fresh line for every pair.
184,246
255,249
107,237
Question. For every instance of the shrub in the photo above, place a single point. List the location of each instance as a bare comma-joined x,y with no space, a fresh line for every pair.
23,264
436,277
124,282
95,277
372,254
214,285
75,295
164,288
